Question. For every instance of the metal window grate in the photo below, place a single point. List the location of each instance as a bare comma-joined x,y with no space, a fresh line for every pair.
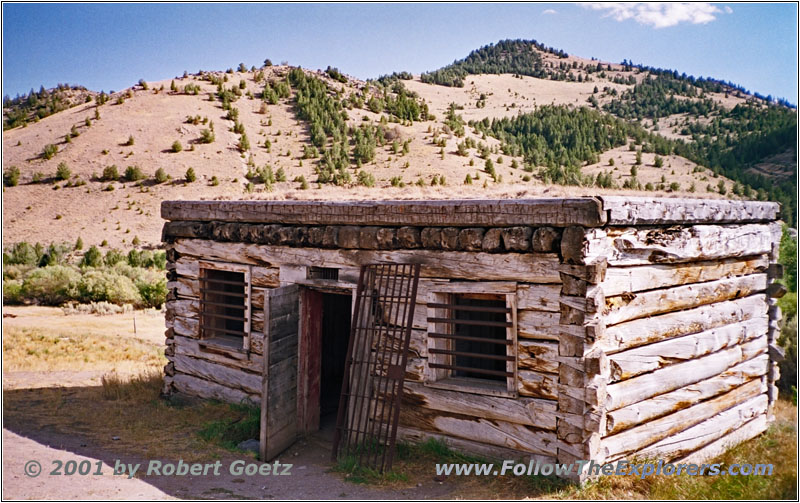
477,343
329,273
223,304
369,406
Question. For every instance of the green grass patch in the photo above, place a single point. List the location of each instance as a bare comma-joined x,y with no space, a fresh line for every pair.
243,424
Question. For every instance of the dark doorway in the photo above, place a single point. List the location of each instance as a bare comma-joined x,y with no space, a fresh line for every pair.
336,318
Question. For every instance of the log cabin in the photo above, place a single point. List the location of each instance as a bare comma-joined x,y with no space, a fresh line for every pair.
553,330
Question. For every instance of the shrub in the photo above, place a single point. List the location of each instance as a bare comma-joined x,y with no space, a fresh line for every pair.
92,258
11,177
130,141
303,182
161,175
79,244
24,254
176,146
190,175
51,285
134,173
110,174
366,179
135,241
214,181
12,291
244,143
113,257
207,136
103,285
280,175
49,151
63,172
153,294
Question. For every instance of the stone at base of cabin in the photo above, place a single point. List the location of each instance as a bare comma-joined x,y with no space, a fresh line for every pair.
545,239
471,239
251,445
348,237
408,237
316,236
431,237
330,237
368,238
517,238
449,238
387,238
492,240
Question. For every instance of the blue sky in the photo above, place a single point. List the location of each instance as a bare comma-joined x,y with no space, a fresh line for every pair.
111,46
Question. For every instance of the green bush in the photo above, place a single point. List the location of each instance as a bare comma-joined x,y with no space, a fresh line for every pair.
63,172
49,151
98,285
190,175
161,175
134,173
114,257
12,291
207,136
92,258
23,253
787,255
130,141
11,177
366,179
110,174
176,146
51,285
153,294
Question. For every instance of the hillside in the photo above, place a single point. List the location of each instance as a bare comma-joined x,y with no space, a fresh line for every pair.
518,134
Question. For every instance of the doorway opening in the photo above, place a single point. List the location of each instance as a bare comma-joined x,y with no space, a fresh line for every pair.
336,318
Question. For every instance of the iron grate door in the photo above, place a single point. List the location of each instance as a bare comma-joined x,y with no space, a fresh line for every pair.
372,388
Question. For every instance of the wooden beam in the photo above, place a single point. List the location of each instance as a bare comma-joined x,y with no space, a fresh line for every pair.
457,213
627,210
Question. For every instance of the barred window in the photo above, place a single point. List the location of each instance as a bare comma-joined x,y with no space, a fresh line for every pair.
225,306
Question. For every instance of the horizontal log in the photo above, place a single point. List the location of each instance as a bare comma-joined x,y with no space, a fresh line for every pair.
661,405
691,439
528,411
194,386
218,354
620,280
627,210
633,362
527,267
538,325
635,439
538,356
464,213
537,384
750,430
666,326
630,306
538,297
632,246
237,379
664,380
485,431
490,452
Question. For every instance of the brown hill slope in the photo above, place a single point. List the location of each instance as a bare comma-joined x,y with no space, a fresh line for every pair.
156,118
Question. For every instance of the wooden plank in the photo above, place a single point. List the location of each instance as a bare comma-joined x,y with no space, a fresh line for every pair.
528,411
628,210
718,447
666,326
661,405
538,325
467,213
620,280
628,307
538,297
229,377
642,359
632,246
664,380
537,384
206,389
485,431
538,356
224,356
691,439
527,267
633,440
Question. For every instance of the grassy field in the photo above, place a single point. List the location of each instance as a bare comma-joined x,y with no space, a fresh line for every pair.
124,412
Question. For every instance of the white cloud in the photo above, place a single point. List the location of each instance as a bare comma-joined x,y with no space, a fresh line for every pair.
549,11
659,14
728,10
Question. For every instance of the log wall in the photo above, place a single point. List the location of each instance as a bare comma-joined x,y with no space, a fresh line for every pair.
644,328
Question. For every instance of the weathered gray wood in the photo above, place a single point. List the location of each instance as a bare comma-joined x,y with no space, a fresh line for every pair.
239,379
657,406
218,354
632,246
640,388
206,389
746,432
537,356
458,213
636,361
538,325
619,280
528,411
628,307
657,328
491,452
527,267
486,431
537,384
628,210
689,440
538,297
634,439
